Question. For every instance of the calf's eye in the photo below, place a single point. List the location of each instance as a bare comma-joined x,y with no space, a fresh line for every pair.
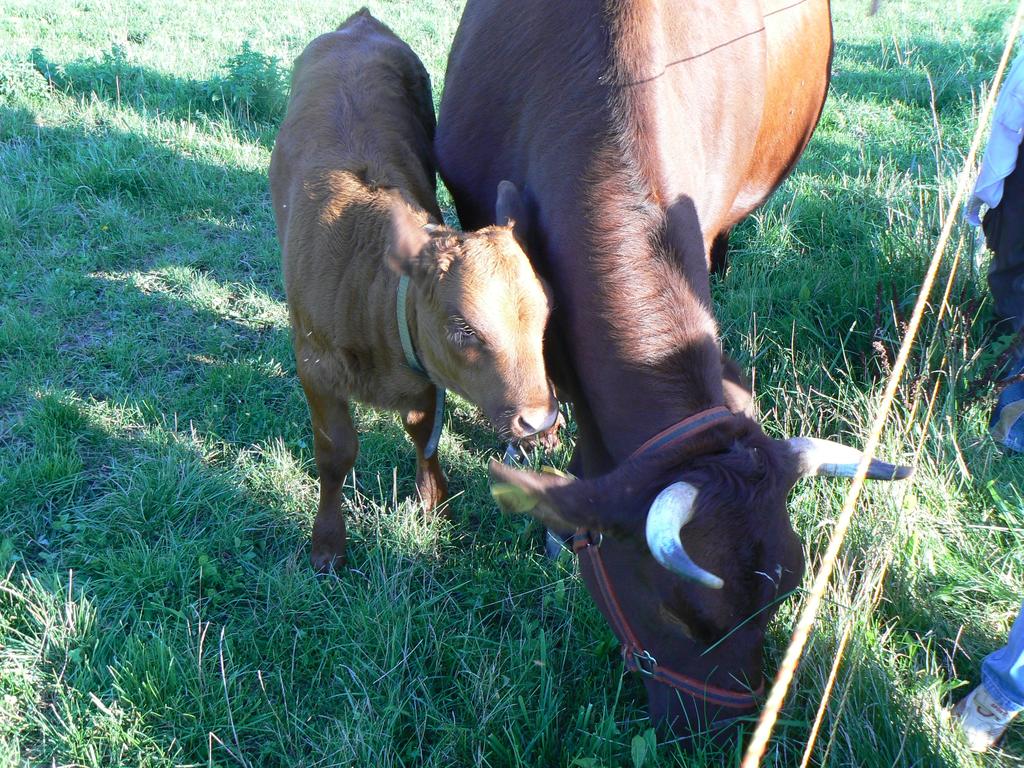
460,333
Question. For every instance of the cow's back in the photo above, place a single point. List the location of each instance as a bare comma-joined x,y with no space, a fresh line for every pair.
799,39
532,90
517,81
638,132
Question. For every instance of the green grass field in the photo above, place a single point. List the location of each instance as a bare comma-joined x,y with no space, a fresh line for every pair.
157,486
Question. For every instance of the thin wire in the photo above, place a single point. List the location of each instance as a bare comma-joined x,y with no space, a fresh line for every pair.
837,660
929,414
875,598
766,723
876,595
820,715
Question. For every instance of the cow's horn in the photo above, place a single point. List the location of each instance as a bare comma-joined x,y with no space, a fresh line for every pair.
671,510
831,459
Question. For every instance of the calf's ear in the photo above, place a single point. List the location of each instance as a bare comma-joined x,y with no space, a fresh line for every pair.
407,241
509,210
736,387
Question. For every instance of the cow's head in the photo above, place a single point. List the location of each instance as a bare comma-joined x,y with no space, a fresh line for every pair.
698,550
478,311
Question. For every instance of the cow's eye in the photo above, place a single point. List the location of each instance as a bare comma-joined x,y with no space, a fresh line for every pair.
461,333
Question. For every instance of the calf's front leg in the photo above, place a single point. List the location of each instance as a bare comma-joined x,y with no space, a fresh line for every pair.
336,445
431,484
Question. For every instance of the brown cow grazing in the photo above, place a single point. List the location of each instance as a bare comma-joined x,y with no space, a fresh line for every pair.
639,132
353,187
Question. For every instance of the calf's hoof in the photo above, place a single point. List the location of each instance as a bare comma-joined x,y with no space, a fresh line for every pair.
328,550
326,562
434,504
433,492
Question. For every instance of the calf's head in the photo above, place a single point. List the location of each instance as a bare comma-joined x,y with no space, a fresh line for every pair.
695,552
478,313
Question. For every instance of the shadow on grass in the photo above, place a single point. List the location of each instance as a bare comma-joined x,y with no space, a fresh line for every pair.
178,301
914,72
906,739
165,535
113,200
253,94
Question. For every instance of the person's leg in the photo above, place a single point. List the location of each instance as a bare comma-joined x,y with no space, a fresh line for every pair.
1007,423
1004,234
984,714
1002,672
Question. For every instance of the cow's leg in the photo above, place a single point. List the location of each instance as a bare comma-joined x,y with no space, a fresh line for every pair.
718,257
336,445
431,483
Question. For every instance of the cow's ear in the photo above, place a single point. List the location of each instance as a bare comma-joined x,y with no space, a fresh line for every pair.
509,210
563,502
407,243
519,492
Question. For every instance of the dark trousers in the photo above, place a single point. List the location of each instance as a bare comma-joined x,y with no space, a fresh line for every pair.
1004,235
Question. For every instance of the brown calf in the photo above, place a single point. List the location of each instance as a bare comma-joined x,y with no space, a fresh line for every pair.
353,187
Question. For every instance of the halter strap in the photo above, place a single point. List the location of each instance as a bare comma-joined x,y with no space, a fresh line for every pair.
413,361
634,655
684,430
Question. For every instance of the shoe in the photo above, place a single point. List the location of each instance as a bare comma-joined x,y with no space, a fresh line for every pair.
982,719
1007,424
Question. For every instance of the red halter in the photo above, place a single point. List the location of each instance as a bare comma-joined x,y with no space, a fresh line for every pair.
634,655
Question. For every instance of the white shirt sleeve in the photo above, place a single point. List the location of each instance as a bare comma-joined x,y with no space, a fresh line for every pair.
1003,145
